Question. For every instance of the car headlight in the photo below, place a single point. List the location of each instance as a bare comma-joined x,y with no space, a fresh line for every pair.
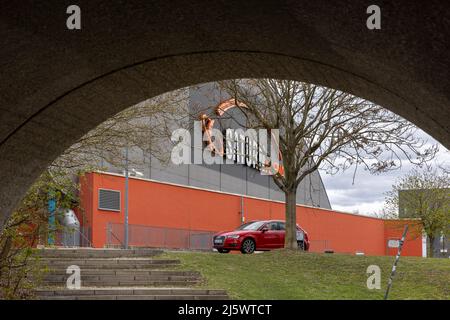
233,236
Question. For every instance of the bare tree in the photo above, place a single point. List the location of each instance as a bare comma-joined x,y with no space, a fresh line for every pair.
423,194
324,128
143,126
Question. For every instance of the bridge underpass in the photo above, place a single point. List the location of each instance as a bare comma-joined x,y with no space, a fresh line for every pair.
57,84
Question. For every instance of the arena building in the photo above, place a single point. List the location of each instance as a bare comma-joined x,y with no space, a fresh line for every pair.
183,205
242,179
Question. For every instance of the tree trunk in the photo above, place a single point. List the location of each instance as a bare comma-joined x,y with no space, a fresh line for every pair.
290,240
431,251
5,250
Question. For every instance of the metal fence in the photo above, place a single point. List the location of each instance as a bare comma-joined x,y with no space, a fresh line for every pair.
319,245
72,237
171,238
158,237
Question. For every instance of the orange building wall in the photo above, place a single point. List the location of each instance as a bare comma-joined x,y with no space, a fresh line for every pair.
413,241
165,205
87,208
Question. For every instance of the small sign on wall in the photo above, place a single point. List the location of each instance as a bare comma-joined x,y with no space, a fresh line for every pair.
393,243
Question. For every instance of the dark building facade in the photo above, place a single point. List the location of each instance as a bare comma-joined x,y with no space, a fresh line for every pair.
233,178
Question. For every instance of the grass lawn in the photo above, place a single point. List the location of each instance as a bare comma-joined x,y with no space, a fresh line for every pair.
296,275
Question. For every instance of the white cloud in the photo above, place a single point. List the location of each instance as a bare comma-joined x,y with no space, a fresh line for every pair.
363,208
366,194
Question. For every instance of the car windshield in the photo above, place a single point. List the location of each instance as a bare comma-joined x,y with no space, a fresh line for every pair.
251,225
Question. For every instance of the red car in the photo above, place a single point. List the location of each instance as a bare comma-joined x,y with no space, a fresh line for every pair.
257,235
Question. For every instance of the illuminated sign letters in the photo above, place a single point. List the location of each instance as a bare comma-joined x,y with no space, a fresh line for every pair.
236,146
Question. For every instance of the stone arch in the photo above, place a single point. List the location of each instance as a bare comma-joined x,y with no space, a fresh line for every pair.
57,84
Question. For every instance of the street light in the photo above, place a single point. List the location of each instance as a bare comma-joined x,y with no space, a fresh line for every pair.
126,196
126,199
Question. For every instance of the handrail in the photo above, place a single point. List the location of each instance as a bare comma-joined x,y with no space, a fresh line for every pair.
89,242
70,229
112,233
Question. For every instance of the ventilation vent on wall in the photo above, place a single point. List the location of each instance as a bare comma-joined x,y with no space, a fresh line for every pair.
108,200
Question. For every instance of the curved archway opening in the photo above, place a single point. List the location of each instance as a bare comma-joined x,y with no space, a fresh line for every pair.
29,147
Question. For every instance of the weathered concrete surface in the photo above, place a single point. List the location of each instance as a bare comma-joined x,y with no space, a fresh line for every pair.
114,274
56,84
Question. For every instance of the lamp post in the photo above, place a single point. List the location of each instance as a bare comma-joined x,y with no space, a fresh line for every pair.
126,200
127,175
394,267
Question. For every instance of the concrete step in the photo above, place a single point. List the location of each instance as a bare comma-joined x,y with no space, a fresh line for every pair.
131,293
134,283
96,253
154,297
108,263
114,274
125,272
127,277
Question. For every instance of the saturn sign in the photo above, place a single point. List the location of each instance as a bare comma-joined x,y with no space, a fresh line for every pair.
233,146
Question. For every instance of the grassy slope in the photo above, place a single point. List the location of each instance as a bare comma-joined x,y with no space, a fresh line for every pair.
283,275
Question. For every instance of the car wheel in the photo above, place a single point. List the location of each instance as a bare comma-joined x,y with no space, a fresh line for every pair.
248,246
301,245
223,250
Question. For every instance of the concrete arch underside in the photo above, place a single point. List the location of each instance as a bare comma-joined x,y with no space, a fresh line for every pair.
57,84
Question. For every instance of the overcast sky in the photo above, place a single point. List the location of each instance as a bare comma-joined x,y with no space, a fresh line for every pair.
366,195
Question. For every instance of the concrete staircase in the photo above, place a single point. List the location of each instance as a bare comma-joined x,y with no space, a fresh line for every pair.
116,274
